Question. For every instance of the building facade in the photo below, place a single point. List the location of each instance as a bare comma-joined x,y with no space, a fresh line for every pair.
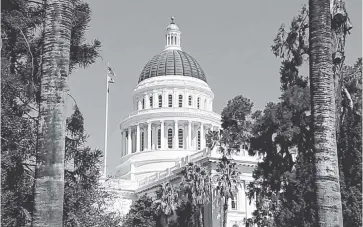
172,113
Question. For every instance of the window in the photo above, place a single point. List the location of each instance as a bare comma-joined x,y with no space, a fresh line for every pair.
170,97
198,102
143,104
180,135
190,100
160,101
170,138
151,101
159,138
180,100
234,203
198,140
142,141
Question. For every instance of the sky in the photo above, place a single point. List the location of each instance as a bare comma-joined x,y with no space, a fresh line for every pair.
231,40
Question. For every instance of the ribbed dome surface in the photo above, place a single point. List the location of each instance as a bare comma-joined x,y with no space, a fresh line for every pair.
172,62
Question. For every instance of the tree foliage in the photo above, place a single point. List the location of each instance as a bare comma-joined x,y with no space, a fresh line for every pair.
142,213
236,125
196,186
281,134
22,41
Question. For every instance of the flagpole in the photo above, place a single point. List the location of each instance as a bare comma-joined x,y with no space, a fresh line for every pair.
106,124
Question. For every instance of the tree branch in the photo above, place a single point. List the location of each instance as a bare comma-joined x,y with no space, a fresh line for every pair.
347,95
30,52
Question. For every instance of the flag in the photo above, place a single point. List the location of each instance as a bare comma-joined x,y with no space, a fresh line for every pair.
110,71
110,79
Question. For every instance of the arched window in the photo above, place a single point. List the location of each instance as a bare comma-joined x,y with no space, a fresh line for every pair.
244,146
168,40
198,140
151,101
175,40
205,104
142,141
170,97
170,138
234,203
180,100
143,104
159,138
160,101
180,137
198,103
190,100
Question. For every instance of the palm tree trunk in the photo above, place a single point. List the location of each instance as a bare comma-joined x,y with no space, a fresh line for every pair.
329,207
49,173
201,224
225,208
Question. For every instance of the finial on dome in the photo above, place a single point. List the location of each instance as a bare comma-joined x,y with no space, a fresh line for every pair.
172,20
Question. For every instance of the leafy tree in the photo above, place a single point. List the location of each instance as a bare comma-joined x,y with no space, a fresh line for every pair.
236,124
167,198
83,196
22,43
142,213
196,185
281,133
186,214
227,181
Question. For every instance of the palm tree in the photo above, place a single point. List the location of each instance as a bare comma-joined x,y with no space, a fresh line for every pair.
196,184
227,181
329,207
167,198
49,173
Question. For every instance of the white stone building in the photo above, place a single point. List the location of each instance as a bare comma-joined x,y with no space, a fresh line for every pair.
172,112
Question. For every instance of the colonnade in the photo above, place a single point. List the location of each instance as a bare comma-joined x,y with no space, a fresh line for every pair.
165,134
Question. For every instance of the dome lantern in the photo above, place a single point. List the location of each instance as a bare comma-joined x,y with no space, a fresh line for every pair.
172,37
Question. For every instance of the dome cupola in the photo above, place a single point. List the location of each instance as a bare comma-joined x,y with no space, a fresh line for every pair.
172,61
172,36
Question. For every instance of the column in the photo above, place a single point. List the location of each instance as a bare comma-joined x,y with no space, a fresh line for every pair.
147,102
187,101
175,134
137,137
154,142
123,147
155,100
162,127
165,99
189,140
175,101
122,143
149,135
202,139
129,144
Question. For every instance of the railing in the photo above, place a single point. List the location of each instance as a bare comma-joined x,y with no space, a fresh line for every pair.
169,171
184,161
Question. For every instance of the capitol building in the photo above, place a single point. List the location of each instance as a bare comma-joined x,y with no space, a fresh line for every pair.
171,114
